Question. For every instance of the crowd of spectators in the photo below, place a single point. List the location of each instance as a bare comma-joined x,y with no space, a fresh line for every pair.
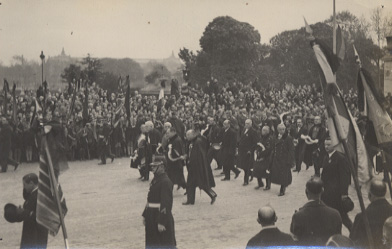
235,101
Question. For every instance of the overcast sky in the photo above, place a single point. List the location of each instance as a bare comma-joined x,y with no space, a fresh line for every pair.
146,28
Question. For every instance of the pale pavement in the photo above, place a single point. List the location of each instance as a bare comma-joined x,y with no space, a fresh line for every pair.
105,203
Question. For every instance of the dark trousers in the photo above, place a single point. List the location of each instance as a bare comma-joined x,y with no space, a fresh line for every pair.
346,220
105,153
191,193
228,166
4,164
317,163
213,154
260,182
247,173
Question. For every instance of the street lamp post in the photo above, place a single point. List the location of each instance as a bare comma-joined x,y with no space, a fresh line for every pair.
42,56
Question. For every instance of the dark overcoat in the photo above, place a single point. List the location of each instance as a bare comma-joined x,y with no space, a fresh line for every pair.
229,145
270,237
262,162
175,168
5,141
199,171
246,148
377,212
33,234
161,192
315,223
336,179
282,158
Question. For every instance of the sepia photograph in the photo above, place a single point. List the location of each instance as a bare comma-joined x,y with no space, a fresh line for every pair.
221,124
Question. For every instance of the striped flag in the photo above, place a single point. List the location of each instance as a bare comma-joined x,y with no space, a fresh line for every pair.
51,157
341,124
371,104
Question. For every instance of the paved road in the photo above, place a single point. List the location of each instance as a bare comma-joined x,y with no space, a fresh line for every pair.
105,203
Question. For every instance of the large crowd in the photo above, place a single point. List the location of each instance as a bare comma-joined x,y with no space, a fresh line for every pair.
235,101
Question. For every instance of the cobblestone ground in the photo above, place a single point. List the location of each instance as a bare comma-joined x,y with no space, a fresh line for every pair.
105,203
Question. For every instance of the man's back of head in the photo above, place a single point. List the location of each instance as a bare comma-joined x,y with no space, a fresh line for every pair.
314,188
267,216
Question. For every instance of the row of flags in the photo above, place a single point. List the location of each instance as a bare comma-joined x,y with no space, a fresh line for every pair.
341,124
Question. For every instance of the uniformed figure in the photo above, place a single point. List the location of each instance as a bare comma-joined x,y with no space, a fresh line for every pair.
336,178
282,159
269,235
315,223
33,235
158,218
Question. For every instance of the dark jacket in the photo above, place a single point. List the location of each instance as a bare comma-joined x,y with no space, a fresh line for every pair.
282,160
377,212
270,237
246,148
161,191
199,171
5,141
229,143
336,179
314,223
33,234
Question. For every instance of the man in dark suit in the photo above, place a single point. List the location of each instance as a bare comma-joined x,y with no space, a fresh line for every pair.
33,234
336,178
377,212
300,145
229,145
5,146
269,235
315,223
246,148
212,134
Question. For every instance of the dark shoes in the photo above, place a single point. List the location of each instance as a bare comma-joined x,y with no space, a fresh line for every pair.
101,163
281,194
267,188
245,184
189,203
258,187
296,170
213,199
225,179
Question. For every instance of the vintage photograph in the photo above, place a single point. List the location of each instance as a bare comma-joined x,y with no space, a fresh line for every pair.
196,124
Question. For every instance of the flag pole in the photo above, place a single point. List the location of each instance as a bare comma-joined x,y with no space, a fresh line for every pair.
386,172
354,174
55,188
334,27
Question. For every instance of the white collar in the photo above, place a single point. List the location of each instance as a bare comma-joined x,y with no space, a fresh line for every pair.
268,227
330,154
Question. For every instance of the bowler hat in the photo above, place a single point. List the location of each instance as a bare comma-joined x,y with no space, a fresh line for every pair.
10,213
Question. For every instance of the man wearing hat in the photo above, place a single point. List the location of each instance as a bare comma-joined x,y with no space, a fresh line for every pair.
157,216
269,235
315,223
33,234
377,212
336,178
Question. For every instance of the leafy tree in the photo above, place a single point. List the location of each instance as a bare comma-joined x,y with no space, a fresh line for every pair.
123,67
93,68
107,81
70,73
156,71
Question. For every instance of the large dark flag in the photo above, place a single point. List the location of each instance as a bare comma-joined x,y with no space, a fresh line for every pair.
127,98
341,124
52,161
371,104
85,106
6,89
14,107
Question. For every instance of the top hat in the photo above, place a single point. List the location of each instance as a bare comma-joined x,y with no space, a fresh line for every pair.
10,213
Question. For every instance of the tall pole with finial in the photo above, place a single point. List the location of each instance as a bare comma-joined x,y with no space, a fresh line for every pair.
42,56
334,27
